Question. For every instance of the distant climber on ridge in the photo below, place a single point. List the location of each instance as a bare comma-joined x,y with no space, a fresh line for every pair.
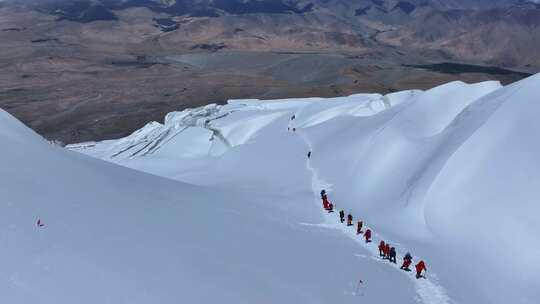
359,227
419,267
392,255
381,249
387,251
330,207
341,216
326,204
407,260
349,220
367,235
309,154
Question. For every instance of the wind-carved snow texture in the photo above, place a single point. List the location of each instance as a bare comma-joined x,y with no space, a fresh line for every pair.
428,291
154,135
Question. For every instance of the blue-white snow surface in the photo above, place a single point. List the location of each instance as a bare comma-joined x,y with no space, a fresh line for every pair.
115,235
450,174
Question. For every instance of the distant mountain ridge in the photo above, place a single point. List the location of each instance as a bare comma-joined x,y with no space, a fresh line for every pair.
79,70
84,10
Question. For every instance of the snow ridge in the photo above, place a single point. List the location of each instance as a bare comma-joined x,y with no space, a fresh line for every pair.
452,172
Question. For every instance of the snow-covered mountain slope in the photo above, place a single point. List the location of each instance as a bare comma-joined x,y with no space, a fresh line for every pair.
115,235
450,173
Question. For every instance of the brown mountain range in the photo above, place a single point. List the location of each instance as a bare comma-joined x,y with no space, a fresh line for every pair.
83,70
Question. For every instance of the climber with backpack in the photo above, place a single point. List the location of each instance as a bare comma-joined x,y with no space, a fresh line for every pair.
330,207
325,204
387,251
359,227
419,267
349,219
381,248
367,235
407,260
392,255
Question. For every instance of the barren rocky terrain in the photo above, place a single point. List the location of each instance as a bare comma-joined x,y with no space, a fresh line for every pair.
82,70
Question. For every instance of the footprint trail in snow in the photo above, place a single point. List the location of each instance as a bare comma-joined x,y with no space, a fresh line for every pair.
428,290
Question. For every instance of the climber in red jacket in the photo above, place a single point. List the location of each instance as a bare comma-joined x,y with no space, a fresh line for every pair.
381,248
367,235
419,267
387,251
325,204
407,260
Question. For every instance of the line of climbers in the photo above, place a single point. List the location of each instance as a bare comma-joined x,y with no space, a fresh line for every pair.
386,251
